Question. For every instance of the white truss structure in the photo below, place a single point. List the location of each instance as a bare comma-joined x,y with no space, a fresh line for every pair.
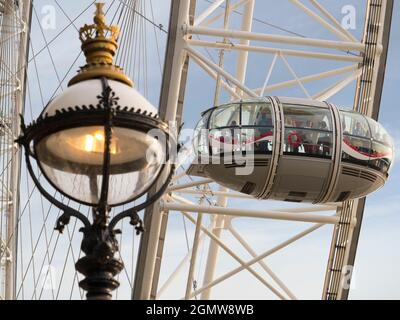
14,34
189,36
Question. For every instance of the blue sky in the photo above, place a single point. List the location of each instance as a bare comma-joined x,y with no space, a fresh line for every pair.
302,266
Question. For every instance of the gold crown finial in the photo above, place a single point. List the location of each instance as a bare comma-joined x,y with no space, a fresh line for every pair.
99,18
99,43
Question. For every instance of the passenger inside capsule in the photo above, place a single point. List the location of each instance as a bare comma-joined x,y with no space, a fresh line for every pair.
307,131
262,122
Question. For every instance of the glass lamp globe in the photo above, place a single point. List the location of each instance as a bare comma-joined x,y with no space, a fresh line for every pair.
72,158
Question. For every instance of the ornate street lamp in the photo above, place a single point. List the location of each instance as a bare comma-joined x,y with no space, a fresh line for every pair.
101,144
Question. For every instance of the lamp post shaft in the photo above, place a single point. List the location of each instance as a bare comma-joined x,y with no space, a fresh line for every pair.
99,265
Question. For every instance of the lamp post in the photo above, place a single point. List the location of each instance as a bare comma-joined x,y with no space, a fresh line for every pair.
101,144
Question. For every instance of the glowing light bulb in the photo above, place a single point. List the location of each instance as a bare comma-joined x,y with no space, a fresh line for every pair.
89,143
99,136
95,143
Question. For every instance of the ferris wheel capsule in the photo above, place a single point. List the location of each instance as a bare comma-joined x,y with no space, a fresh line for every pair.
293,150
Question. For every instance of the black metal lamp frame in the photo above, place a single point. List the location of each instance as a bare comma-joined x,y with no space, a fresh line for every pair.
99,265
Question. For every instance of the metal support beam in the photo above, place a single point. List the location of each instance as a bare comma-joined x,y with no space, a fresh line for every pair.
178,269
221,15
262,256
243,264
270,50
213,248
193,259
261,262
196,183
215,193
209,11
171,105
264,214
306,79
333,20
233,34
15,30
336,29
221,71
367,101
373,101
222,200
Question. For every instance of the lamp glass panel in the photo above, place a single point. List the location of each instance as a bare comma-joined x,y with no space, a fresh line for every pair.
73,159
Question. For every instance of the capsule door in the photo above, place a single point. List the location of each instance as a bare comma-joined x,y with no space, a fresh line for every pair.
307,146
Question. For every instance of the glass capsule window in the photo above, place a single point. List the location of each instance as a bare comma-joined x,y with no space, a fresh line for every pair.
256,114
381,155
224,140
356,138
200,138
241,127
257,128
223,135
365,142
379,134
308,131
226,116
354,124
